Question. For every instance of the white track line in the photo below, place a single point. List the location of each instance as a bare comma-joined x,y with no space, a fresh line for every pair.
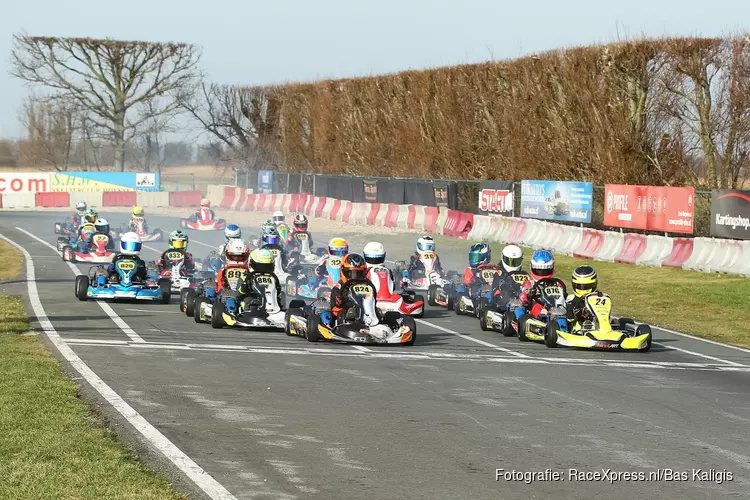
693,353
105,307
472,339
200,477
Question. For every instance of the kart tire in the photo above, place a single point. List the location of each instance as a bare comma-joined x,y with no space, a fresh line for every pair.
431,293
642,330
457,303
217,318
417,298
58,228
311,333
550,334
189,302
197,309
451,299
522,328
68,255
409,321
82,287
166,290
508,318
289,312
483,320
297,304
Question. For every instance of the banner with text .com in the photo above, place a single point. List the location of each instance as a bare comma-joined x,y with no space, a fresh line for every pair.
652,208
557,200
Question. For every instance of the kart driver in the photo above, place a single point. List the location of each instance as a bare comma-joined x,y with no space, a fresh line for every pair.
80,213
231,232
236,256
278,217
178,242
283,230
138,214
542,267
585,281
299,226
425,244
337,249
205,205
130,247
511,261
480,255
353,271
272,241
84,231
261,262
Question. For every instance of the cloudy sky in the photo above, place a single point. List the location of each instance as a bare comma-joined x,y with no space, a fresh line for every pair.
275,41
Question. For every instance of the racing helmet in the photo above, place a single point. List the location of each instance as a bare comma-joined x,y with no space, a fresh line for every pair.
237,252
542,264
338,247
585,280
425,244
138,212
101,226
479,253
272,238
232,231
300,222
262,261
283,230
130,244
91,215
278,216
81,207
374,253
205,203
268,225
353,267
178,239
512,258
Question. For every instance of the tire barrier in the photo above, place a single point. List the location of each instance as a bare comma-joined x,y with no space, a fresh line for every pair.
52,200
682,248
119,199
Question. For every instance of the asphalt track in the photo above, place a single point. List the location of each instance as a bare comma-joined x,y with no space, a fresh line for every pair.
275,417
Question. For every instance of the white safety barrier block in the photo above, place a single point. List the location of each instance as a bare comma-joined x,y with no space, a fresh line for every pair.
92,198
658,248
612,246
702,256
156,199
19,200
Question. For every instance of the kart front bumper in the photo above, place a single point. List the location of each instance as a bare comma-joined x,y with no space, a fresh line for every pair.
147,294
605,341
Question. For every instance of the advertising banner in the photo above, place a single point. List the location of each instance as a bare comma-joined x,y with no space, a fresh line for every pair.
652,208
104,181
371,190
441,194
557,200
495,198
730,214
265,181
24,182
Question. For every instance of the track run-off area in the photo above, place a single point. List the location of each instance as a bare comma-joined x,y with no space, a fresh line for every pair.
240,414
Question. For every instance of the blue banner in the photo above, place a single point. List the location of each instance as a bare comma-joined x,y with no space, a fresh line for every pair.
104,181
557,200
265,181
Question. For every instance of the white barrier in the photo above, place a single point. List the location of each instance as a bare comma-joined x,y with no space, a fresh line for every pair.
534,234
481,229
216,193
156,199
345,204
703,254
403,216
442,217
92,198
744,264
612,246
727,257
571,239
503,225
382,212
658,248
19,200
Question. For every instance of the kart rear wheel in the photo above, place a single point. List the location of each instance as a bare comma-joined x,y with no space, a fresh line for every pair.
550,334
642,330
431,293
217,318
311,333
522,328
197,306
409,321
68,254
82,287
508,318
418,298
166,290
289,312
451,300
457,303
483,320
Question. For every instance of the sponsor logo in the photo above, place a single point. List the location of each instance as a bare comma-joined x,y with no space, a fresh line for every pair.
495,200
733,222
145,180
23,182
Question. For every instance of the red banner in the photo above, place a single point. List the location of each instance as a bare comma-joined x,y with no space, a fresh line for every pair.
653,208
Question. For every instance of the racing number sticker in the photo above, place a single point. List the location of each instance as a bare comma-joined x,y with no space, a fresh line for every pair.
428,256
361,289
488,275
264,280
552,291
301,236
598,301
100,238
520,278
235,273
126,265
274,251
334,262
174,255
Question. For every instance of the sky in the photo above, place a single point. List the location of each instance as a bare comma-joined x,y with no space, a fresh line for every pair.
275,41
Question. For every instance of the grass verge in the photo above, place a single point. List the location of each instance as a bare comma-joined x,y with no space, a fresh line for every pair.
52,445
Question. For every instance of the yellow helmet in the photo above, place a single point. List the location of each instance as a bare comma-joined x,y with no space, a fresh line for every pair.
262,261
338,247
138,211
584,280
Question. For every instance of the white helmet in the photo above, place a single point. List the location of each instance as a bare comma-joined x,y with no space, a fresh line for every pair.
102,226
130,244
512,258
232,231
374,253
278,216
425,244
81,206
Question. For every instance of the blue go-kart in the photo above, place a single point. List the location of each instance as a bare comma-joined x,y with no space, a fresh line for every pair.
99,284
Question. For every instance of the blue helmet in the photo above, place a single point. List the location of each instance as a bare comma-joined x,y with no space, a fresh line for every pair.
479,253
542,264
271,238
232,231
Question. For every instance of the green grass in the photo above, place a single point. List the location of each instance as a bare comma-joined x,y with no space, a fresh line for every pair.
10,261
51,445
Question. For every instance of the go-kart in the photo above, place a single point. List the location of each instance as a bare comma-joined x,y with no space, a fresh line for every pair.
99,250
203,222
139,227
386,299
498,313
99,284
467,298
261,310
303,283
69,227
552,295
300,242
206,295
440,289
600,331
363,323
174,271
73,240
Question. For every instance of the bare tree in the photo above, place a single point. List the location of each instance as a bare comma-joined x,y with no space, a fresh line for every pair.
50,127
111,79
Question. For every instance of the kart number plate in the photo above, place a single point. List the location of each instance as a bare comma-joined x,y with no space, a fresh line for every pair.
488,275
380,270
334,262
264,280
274,251
235,274
552,291
100,238
174,255
520,278
362,290
428,256
126,265
301,236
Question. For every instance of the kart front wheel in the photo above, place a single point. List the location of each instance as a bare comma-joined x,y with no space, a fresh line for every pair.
431,293
483,320
508,318
217,315
522,328
287,318
166,290
311,333
643,330
82,287
412,325
550,334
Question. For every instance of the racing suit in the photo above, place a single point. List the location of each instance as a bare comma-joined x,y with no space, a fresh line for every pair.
86,245
340,302
530,294
140,272
416,265
189,266
246,290
221,279
197,214
132,224
577,312
293,242
505,286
